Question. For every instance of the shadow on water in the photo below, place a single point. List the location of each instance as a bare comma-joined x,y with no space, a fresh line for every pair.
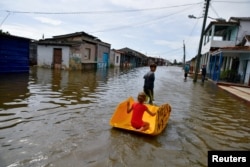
61,118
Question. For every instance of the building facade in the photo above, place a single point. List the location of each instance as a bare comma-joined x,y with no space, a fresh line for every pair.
224,52
82,51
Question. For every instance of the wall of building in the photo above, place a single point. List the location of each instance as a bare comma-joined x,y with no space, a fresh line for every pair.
88,57
45,56
100,50
14,54
117,58
103,52
244,29
247,77
244,68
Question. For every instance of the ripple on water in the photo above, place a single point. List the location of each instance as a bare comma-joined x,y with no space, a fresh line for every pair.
62,119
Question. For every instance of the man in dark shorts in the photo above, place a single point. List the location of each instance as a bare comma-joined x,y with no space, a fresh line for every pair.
186,71
203,73
149,79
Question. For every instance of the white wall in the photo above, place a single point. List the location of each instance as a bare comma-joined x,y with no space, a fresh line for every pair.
244,29
247,73
113,57
117,56
45,55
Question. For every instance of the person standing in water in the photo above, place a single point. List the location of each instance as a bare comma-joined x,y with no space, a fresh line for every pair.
186,71
203,73
149,79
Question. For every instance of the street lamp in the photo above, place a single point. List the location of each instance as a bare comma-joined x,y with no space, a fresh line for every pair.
201,37
216,19
194,17
197,67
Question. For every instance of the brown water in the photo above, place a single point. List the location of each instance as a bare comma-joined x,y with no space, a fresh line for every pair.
58,118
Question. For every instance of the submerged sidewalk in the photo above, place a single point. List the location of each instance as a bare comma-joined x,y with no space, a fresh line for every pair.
240,92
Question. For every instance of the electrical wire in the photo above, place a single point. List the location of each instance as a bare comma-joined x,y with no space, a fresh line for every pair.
102,12
216,13
143,23
4,19
233,1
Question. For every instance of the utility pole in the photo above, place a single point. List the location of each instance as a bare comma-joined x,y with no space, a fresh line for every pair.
184,56
201,41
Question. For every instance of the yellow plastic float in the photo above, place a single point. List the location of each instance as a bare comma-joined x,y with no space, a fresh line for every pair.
121,119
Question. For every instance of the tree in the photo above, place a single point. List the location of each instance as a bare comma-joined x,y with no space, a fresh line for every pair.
6,33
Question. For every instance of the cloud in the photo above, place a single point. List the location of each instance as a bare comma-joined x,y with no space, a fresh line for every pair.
48,21
169,44
129,36
159,31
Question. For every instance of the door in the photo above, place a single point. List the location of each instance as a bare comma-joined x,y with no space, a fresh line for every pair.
57,58
105,59
104,62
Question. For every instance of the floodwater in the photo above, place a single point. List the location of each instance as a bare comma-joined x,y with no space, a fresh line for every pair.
52,118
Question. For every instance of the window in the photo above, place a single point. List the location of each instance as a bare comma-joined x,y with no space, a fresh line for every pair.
87,54
117,59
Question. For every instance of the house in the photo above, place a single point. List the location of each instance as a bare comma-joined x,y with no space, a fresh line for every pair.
115,57
74,51
226,50
132,58
14,53
156,60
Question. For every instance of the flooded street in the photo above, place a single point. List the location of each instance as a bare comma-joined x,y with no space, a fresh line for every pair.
58,118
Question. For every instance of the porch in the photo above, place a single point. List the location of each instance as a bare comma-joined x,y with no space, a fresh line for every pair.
230,65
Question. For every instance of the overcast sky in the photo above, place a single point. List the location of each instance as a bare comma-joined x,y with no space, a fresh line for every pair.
156,28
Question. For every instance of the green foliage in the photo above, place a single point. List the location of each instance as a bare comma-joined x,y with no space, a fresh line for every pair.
227,73
5,33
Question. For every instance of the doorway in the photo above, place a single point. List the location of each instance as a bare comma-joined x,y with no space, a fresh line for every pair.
57,58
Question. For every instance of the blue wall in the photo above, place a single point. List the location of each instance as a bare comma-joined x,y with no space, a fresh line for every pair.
14,54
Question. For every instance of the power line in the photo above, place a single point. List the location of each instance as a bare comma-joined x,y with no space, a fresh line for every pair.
233,1
214,10
143,23
101,12
5,19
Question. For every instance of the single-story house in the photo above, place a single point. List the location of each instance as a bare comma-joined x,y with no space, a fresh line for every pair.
132,58
74,51
115,57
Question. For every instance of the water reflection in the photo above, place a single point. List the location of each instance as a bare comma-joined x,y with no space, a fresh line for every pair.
61,118
14,88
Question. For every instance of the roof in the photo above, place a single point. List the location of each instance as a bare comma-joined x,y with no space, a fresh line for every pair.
84,36
75,35
54,43
237,19
236,48
242,49
117,51
128,50
233,21
13,36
